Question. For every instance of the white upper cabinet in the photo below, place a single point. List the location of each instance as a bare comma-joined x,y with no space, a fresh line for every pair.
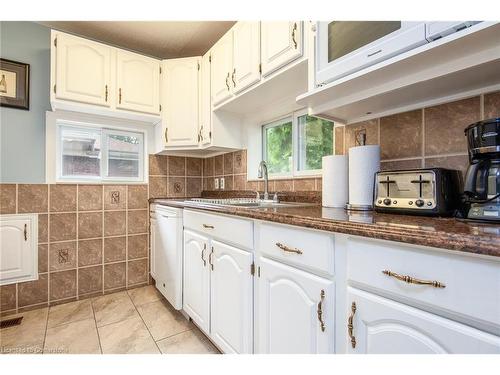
246,55
181,101
231,298
82,71
221,69
295,311
281,43
205,101
137,83
376,325
19,250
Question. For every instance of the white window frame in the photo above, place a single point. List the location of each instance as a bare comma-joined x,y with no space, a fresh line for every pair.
294,117
54,160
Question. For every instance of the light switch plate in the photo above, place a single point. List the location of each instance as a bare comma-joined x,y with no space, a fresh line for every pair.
221,183
216,184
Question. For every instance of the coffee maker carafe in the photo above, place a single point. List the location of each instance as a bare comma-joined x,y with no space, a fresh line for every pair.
482,183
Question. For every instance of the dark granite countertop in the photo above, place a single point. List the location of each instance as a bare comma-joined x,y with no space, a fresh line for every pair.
445,233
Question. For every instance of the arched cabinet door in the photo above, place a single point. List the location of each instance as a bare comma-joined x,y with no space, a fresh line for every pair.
196,298
382,326
83,71
232,298
291,306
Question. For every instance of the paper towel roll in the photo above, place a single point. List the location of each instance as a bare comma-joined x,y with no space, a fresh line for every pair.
335,181
364,161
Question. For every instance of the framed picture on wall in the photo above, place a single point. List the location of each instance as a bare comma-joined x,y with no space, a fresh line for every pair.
14,84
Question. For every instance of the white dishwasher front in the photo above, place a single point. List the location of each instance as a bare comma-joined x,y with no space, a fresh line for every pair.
166,252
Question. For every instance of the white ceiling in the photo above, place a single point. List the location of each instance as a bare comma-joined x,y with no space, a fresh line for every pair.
162,39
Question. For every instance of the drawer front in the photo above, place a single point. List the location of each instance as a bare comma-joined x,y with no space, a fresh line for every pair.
303,248
466,287
225,228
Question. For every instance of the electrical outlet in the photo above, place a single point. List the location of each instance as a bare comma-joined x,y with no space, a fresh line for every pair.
221,183
216,184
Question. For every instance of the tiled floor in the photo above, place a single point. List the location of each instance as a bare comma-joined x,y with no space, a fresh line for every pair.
135,321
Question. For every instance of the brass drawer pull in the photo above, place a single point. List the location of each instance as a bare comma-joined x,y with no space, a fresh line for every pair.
288,249
166,135
26,232
203,255
208,226
412,280
350,325
120,95
320,311
210,259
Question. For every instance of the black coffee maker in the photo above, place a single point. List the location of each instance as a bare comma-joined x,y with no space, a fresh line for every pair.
481,195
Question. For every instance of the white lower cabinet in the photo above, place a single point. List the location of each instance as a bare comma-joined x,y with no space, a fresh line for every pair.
377,325
218,291
294,311
196,299
18,248
231,298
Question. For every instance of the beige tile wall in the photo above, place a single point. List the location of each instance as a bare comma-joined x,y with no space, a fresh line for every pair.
93,239
233,167
428,137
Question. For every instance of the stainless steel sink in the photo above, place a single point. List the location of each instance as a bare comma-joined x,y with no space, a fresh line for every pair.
243,202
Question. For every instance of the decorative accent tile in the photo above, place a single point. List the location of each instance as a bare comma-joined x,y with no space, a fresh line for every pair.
115,197
62,255
176,187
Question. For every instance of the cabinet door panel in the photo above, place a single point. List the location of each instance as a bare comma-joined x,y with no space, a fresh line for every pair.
288,319
181,100
18,249
138,83
246,55
281,43
221,68
231,299
382,326
196,301
82,70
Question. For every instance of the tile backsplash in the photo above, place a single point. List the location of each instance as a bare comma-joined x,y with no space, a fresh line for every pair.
93,239
427,137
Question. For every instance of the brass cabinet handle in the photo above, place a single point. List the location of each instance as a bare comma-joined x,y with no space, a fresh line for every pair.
288,249
227,81
166,135
350,325
26,232
232,77
203,255
210,259
120,95
412,280
208,226
320,311
106,93
294,30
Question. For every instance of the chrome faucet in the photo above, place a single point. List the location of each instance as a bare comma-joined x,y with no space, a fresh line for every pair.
263,174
